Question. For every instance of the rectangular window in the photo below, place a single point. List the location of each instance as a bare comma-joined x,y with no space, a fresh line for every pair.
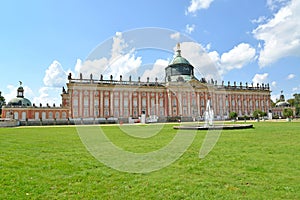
161,102
125,112
86,102
184,101
174,102
64,115
36,115
125,102
116,113
144,102
193,101
106,102
135,102
152,103
161,112
116,102
202,102
75,112
86,112
106,112
96,113
96,102
75,102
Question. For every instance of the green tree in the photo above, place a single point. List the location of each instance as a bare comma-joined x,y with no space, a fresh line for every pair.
232,115
257,113
272,103
263,114
297,103
2,103
287,112
291,102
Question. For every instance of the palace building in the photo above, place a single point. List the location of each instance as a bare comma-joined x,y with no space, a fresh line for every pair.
180,95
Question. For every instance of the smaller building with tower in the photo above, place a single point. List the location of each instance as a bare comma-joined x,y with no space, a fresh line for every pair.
22,110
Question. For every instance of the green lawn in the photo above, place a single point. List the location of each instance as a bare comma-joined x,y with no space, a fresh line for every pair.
53,163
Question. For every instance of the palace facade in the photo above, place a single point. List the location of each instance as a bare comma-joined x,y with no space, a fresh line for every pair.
180,95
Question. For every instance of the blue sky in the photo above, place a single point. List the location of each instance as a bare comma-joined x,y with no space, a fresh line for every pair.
248,41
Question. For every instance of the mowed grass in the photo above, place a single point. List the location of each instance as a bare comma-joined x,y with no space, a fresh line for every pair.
52,163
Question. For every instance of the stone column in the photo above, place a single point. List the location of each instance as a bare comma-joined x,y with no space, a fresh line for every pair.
180,102
101,105
188,95
156,103
121,104
111,104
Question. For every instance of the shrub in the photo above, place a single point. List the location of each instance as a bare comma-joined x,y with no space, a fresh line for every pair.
257,113
232,115
287,112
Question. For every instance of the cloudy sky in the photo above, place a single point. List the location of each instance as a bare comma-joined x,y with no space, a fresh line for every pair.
232,40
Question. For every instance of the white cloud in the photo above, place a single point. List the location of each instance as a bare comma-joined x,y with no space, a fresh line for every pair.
119,63
207,47
280,34
78,65
237,57
260,78
274,4
175,36
158,70
295,89
261,19
196,5
291,76
95,67
204,65
190,28
275,97
55,76
124,64
48,95
274,84
118,46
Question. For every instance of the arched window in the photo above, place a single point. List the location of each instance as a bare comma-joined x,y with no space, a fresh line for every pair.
64,115
36,115
23,115
16,115
50,114
57,115
43,115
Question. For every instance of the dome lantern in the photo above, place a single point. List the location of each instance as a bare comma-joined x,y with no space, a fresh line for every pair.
20,100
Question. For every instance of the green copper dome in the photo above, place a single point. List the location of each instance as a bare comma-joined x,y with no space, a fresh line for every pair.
19,101
179,69
179,60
